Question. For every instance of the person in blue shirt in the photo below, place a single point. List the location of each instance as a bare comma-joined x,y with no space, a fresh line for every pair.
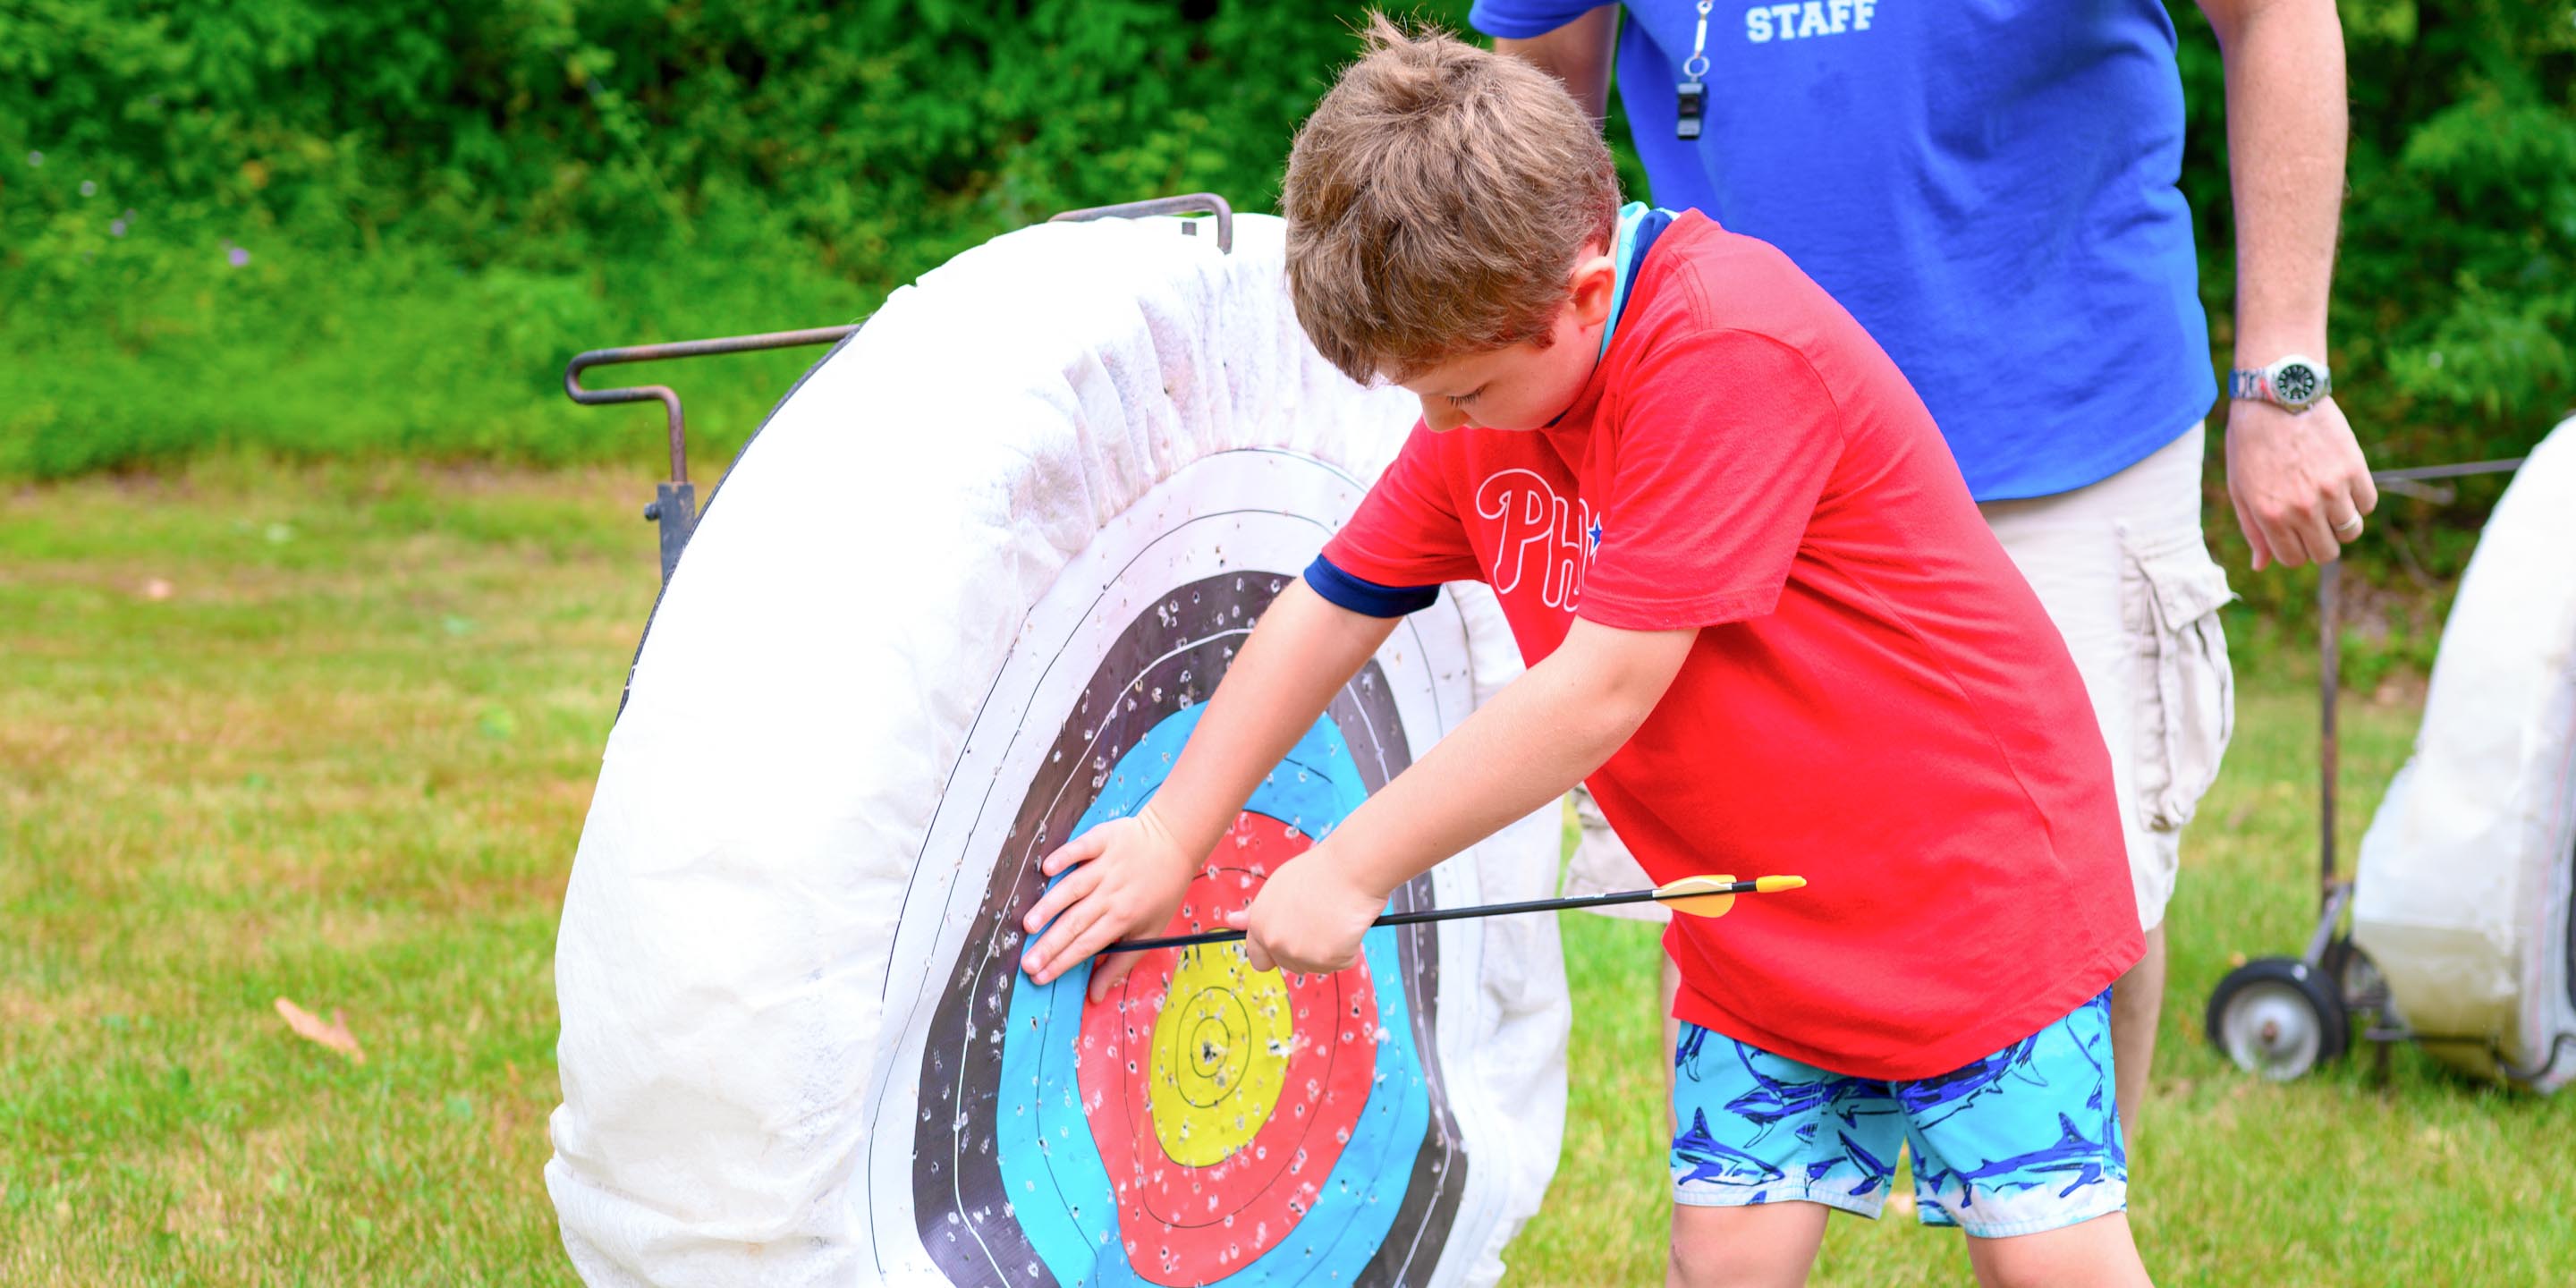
1990,188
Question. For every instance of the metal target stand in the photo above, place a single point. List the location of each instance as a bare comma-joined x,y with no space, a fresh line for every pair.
2282,1016
675,506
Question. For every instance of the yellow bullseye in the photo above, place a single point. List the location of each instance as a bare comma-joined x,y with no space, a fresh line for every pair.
1220,1054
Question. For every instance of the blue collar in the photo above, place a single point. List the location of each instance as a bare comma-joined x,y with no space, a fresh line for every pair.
1639,226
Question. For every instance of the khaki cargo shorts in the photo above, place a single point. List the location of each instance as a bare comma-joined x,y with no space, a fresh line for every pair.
2123,570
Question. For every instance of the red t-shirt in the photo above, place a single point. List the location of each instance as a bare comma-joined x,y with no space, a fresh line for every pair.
1875,701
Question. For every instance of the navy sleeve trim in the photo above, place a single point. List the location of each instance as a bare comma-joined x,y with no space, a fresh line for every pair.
1367,598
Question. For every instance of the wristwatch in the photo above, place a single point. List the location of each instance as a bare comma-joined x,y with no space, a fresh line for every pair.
2294,383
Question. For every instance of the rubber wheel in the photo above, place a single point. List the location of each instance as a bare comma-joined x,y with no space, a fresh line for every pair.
2350,970
2278,1017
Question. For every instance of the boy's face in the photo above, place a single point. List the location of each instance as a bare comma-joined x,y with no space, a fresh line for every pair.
1526,385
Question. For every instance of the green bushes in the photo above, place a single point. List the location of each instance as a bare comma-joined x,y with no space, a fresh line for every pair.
322,228
2455,288
162,346
883,136
319,228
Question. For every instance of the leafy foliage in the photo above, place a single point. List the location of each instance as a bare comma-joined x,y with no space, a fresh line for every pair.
325,228
2455,289
883,135
2455,284
332,230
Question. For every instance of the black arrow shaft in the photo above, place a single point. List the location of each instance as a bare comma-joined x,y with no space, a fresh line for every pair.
1444,914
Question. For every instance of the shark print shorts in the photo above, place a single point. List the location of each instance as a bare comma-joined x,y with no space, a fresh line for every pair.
2025,1140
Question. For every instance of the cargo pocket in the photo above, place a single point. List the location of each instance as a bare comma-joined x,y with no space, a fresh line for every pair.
2185,693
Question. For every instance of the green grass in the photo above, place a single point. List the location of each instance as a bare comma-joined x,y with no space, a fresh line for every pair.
330,733
159,351
343,761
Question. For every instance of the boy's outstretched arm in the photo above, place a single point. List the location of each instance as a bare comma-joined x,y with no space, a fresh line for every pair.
1135,870
1535,740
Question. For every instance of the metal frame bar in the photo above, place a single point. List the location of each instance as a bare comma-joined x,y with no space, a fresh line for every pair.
674,510
675,502
1188,203
668,397
2330,655
2335,891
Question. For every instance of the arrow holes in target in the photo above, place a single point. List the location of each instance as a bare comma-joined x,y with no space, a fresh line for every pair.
1204,1123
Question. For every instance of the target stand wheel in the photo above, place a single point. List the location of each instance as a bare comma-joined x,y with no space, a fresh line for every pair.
2278,1017
2350,971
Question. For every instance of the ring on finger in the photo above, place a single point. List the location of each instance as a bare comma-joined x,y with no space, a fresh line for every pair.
2349,528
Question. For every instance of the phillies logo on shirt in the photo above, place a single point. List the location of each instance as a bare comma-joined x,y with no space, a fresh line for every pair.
1764,23
1538,529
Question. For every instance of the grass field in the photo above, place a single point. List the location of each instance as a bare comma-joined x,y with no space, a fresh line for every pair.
330,736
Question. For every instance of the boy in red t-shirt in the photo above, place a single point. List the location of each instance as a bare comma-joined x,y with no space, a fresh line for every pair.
1764,622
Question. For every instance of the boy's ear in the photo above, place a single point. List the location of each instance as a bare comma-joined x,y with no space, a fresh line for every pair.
1594,281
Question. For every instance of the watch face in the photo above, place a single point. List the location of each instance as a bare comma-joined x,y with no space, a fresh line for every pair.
2295,383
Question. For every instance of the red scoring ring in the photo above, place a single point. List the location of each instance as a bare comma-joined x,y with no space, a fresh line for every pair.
1182,1224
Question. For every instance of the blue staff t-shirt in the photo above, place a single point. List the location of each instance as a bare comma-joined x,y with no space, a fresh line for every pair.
1987,185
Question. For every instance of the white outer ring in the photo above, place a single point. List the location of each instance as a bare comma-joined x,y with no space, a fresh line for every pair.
1260,513
808,688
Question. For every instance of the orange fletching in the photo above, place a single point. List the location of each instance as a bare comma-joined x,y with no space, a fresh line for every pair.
1692,895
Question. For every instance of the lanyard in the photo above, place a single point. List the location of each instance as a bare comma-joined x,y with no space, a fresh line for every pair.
1693,93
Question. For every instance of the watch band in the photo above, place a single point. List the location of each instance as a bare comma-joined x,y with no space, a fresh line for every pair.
2261,384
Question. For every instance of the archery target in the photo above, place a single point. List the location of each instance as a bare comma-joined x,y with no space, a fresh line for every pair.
964,597
1203,1125
2465,897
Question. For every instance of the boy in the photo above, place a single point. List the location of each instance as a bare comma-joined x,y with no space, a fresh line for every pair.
1765,623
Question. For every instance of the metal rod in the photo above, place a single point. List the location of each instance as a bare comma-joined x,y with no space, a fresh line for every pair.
2330,659
1188,203
664,394
675,506
2338,895
1450,914
2329,681
2519,1073
2333,893
2433,492
2329,627
2463,469
675,421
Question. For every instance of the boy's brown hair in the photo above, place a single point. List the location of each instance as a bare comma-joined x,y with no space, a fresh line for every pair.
1437,201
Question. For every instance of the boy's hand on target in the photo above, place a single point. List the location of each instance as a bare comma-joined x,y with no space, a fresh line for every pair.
1131,879
1308,917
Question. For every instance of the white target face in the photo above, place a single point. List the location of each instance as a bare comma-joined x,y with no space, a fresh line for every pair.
1303,1140
963,598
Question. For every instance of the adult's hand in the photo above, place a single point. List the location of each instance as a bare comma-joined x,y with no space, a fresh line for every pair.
2299,482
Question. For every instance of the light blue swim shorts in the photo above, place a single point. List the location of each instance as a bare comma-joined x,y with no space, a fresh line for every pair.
2025,1140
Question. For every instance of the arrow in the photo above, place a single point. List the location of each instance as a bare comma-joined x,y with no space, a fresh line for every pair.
1700,896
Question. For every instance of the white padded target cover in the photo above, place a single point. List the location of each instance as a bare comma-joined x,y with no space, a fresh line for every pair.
2463,892
864,649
